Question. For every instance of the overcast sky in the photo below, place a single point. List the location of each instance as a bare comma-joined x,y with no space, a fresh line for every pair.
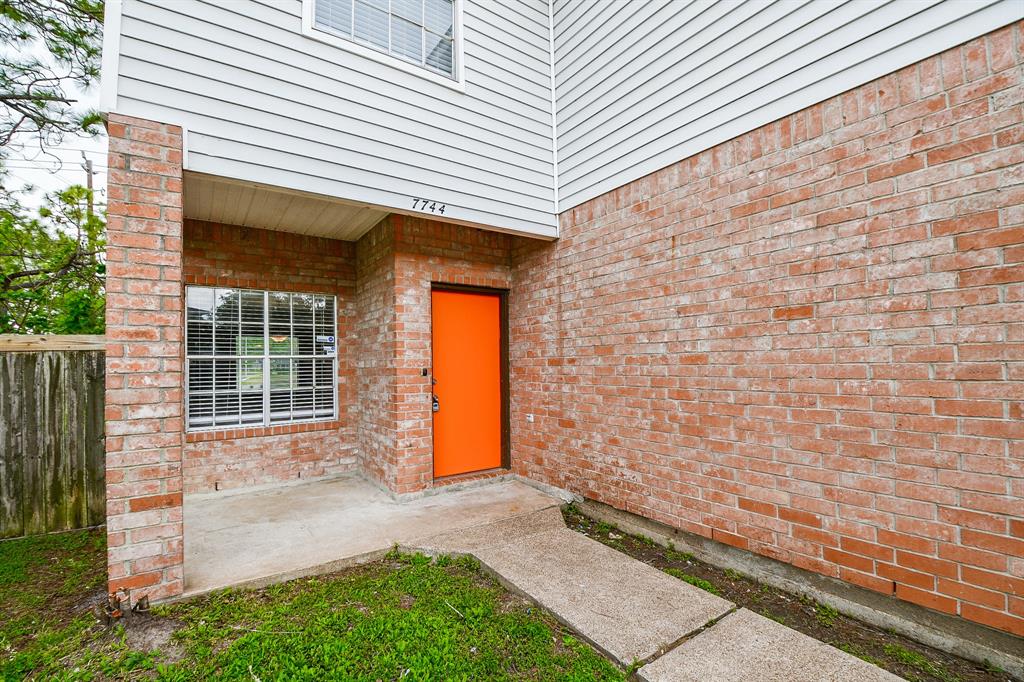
29,166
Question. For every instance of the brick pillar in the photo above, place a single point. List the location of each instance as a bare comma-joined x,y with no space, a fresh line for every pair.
144,360
398,262
375,366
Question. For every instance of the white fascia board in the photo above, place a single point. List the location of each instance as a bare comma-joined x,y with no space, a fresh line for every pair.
554,108
111,55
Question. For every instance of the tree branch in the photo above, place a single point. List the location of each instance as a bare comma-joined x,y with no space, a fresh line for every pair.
36,98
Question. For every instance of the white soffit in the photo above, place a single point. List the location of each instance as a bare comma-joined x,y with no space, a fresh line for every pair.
234,202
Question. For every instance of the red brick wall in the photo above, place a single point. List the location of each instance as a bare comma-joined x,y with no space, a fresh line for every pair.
228,255
427,253
808,341
375,338
143,366
398,261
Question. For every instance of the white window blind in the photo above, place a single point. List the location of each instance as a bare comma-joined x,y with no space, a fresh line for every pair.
258,357
418,31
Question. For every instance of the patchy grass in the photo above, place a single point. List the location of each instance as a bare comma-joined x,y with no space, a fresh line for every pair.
825,614
65,564
406,617
859,652
693,580
900,655
48,585
672,554
918,662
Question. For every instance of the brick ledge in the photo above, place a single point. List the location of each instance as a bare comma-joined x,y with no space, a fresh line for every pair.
258,431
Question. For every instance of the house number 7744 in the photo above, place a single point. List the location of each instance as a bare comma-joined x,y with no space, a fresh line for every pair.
427,205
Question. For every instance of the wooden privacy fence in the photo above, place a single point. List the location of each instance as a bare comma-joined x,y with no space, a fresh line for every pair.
51,434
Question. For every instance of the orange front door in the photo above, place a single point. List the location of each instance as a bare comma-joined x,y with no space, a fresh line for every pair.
467,381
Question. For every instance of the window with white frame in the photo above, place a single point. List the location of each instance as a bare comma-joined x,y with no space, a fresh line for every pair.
258,358
421,32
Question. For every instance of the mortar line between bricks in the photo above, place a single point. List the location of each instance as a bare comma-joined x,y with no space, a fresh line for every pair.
688,636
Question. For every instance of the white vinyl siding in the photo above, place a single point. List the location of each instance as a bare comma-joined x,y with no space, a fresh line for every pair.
258,358
635,85
264,103
646,83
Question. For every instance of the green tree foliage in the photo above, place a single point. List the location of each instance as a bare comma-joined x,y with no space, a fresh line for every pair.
51,267
33,81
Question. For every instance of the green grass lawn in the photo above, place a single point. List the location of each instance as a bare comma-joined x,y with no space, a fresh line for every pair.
404,618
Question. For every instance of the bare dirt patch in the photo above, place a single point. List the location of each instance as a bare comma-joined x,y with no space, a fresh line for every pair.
146,633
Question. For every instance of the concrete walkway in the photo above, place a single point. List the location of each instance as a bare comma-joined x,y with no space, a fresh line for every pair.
747,646
628,609
637,614
632,612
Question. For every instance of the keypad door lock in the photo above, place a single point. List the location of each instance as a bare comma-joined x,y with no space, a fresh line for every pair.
435,404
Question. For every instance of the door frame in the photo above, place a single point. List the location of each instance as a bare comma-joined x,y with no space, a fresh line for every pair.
506,420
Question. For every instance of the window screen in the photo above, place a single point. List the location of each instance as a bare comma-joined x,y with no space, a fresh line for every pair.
418,31
257,358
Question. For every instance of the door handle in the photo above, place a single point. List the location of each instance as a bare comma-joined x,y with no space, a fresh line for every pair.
435,404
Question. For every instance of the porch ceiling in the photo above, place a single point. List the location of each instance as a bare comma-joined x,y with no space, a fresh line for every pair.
235,202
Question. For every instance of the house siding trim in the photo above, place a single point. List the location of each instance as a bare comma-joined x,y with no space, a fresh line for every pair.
110,66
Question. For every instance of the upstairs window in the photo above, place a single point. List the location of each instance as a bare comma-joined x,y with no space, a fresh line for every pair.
420,32
258,358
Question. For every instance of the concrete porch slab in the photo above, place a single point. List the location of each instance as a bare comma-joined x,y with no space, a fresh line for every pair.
256,538
747,647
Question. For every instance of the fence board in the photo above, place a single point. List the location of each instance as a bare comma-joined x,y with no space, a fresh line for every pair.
12,521
29,343
51,437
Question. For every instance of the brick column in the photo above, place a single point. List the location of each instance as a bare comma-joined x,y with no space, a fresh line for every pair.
398,262
144,425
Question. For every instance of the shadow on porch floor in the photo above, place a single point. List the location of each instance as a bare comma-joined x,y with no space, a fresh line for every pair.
256,538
